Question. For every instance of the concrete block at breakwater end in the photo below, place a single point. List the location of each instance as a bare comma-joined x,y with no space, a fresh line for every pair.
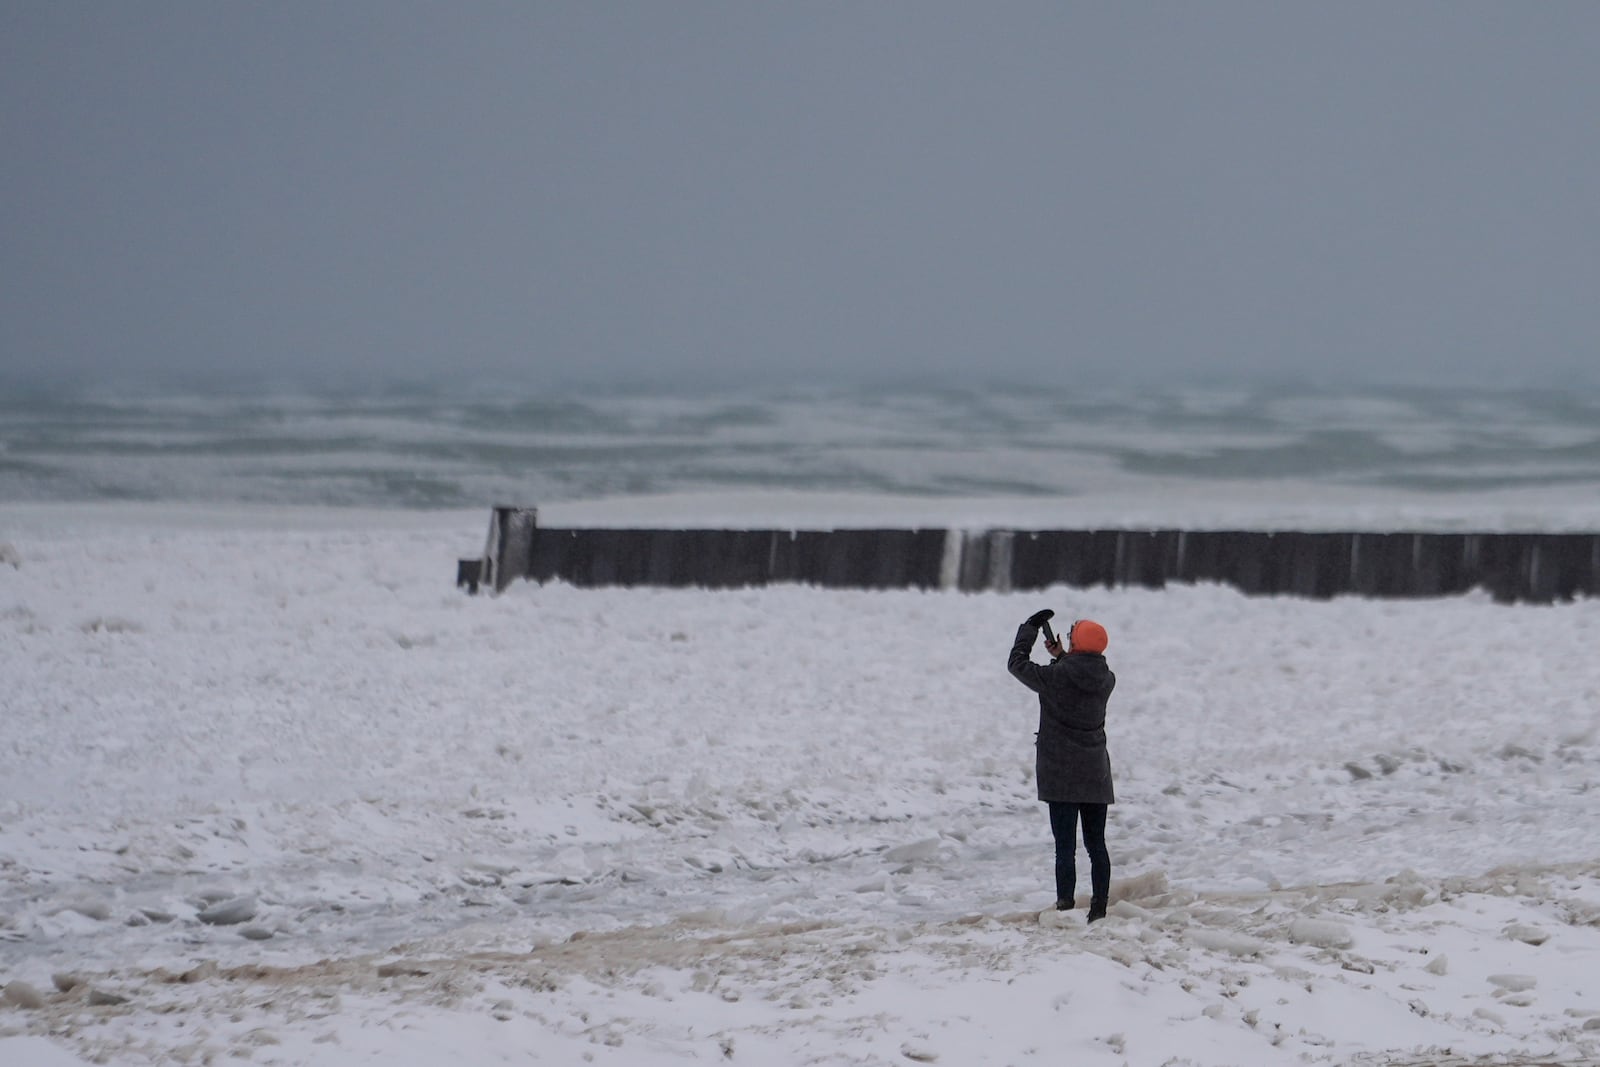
1510,566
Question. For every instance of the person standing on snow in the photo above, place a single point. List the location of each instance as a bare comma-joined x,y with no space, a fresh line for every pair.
1073,768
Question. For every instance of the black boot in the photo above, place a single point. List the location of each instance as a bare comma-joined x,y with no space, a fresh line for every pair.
1097,909
1064,905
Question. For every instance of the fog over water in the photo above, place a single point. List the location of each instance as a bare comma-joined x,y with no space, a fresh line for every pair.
566,196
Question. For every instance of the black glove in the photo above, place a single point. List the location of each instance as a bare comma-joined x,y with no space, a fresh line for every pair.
1039,618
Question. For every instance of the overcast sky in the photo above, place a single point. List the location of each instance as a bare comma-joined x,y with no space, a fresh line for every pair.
677,193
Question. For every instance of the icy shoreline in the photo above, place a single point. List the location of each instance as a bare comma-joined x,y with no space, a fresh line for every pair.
1461,971
302,721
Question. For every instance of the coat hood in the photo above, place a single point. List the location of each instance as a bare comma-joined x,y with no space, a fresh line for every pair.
1087,671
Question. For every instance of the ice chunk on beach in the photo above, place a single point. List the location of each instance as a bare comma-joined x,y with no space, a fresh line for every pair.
1322,933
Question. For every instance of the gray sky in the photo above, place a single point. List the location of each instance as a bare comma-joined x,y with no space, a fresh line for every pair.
693,193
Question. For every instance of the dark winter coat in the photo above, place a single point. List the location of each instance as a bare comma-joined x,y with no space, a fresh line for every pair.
1073,764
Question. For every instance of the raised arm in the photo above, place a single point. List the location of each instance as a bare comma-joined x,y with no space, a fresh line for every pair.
1021,664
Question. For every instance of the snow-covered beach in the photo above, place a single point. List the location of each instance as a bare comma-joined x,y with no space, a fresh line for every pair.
273,789
1243,298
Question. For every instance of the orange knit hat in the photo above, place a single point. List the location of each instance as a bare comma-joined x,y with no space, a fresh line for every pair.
1088,636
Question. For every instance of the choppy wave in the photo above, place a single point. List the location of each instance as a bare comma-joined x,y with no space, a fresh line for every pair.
425,452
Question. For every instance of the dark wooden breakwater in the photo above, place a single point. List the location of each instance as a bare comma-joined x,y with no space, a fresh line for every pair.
1532,567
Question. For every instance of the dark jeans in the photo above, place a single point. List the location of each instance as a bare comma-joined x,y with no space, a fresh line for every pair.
1064,825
